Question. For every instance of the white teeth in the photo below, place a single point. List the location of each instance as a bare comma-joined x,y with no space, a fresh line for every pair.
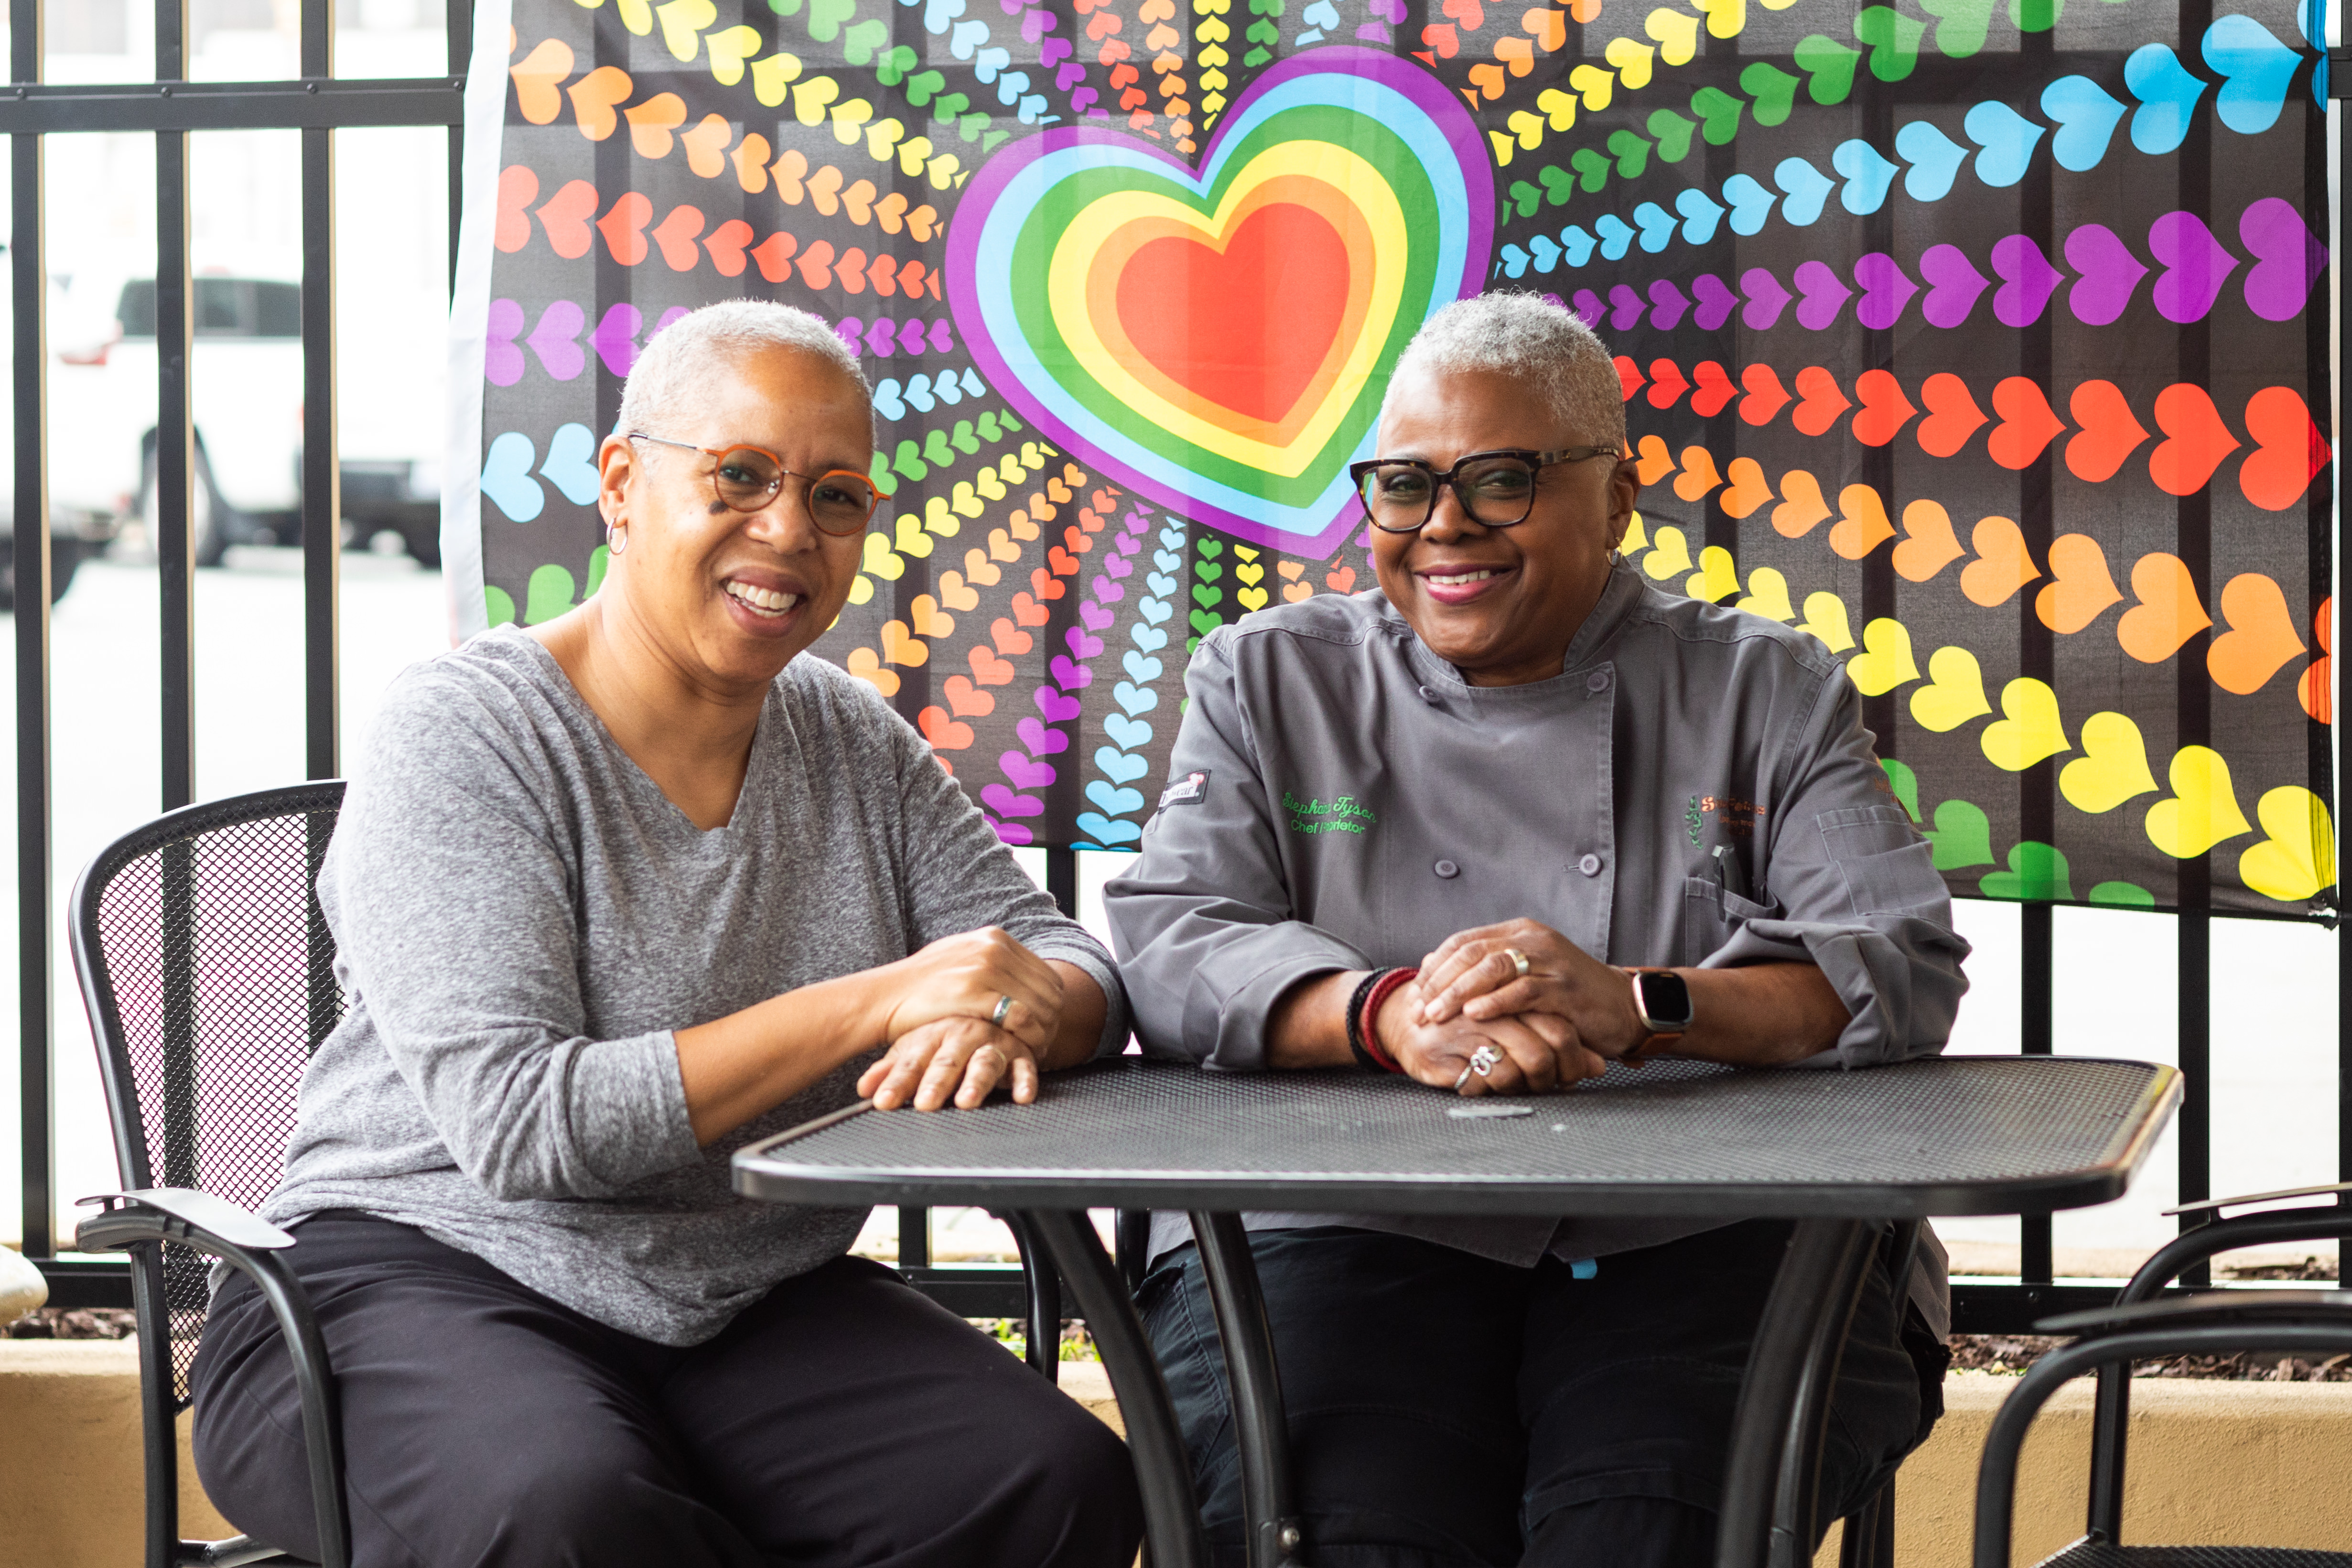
1460,578
765,601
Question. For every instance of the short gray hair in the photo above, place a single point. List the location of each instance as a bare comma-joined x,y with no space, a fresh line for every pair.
1527,336
679,357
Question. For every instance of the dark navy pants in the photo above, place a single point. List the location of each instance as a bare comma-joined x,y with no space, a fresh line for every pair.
1447,1410
842,1419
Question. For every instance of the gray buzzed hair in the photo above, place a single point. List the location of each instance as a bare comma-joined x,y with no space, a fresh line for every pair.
680,356
1529,337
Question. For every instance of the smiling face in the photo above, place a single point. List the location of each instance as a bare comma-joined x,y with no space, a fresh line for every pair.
1500,605
728,597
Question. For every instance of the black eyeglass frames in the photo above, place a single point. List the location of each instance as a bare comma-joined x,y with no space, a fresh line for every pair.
1497,488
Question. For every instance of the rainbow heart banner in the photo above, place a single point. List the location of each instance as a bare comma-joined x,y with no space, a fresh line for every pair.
1219,341
1989,347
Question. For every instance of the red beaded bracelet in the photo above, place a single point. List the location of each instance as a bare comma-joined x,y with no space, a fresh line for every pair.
1369,1017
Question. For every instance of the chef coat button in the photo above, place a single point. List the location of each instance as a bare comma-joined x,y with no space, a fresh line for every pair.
1426,694
1447,868
1597,681
1590,865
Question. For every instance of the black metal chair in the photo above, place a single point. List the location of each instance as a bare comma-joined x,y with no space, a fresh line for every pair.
2139,1325
208,972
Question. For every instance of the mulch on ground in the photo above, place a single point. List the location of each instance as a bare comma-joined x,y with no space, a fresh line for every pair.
2007,1354
73,1323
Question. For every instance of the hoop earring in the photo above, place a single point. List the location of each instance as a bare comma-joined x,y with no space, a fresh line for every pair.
616,538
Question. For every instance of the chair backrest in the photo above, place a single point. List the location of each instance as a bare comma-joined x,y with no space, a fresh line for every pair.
208,972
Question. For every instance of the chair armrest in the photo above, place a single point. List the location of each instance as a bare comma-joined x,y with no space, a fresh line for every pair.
2207,1310
183,1215
2213,1207
250,1245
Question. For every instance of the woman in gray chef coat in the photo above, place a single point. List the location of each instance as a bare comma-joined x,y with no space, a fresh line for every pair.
1509,817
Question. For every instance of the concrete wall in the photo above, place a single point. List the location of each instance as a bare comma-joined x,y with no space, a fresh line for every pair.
2257,1463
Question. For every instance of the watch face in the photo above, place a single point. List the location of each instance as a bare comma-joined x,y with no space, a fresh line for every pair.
1666,1002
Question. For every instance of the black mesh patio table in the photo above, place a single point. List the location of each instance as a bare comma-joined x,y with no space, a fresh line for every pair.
1840,1152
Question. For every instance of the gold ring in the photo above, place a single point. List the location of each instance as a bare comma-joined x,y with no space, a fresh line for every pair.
1519,961
1003,1006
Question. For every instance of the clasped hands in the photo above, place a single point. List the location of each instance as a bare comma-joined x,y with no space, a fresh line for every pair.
1562,1021
952,1035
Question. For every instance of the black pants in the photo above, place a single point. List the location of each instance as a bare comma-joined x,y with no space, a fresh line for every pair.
842,1419
1448,1410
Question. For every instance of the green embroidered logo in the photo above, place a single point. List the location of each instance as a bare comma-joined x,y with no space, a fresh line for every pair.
1694,821
1344,815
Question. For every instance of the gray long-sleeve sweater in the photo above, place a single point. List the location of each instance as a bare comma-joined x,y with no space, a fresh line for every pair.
522,918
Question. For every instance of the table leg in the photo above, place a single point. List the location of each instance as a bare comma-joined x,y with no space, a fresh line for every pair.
1791,1366
1261,1431
1171,1519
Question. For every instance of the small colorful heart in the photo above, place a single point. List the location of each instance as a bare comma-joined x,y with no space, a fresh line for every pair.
1219,340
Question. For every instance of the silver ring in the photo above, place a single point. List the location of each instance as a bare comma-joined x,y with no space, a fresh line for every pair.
1519,961
1484,1059
1003,1006
1459,1082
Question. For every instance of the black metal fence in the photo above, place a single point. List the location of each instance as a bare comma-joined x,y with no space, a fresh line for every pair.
318,104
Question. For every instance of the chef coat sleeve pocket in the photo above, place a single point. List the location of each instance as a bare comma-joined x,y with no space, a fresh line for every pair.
1710,915
1888,868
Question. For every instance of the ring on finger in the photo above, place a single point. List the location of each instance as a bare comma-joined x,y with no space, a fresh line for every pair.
1003,1006
1519,961
1484,1059
1463,1078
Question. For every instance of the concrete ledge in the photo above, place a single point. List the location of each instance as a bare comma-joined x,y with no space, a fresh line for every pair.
2211,1463
72,1490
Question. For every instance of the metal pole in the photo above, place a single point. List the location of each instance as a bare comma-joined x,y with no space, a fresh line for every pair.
2035,1038
322,508
1254,1389
1171,1520
174,430
1821,1257
30,550
461,56
2196,1027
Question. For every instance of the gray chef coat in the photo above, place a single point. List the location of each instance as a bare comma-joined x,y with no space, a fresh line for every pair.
1341,799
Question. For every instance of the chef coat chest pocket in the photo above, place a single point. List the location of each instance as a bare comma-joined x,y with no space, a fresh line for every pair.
1710,915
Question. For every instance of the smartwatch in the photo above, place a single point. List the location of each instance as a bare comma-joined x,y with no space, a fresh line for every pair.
1662,1002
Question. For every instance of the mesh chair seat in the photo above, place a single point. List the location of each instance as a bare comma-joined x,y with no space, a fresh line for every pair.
2094,1555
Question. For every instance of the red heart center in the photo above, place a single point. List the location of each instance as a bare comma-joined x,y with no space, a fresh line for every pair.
1245,327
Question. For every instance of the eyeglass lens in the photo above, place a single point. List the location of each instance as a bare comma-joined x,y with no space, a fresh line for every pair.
1496,492
748,480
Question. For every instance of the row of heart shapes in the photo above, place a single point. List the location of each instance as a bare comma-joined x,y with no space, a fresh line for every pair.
2288,447
555,340
2295,860
2290,866
2261,638
2289,260
598,99
2256,67
680,242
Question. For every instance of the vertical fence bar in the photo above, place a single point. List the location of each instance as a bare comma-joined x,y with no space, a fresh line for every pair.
29,570
2035,1037
461,56
2195,1126
323,509
175,457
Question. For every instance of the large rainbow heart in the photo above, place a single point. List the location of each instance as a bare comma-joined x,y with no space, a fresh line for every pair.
1219,341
